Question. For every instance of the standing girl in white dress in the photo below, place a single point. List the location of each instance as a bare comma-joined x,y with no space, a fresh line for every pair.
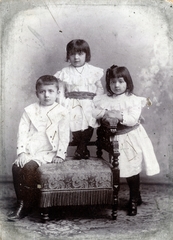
80,82
134,143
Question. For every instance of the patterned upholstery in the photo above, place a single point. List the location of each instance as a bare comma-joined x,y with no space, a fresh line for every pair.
76,174
62,184
83,182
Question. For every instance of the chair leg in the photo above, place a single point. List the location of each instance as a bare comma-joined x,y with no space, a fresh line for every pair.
115,202
116,177
44,214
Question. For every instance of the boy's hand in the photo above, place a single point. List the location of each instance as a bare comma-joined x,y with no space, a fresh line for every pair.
57,159
21,160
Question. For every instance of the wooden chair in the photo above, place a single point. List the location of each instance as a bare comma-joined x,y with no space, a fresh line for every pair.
83,182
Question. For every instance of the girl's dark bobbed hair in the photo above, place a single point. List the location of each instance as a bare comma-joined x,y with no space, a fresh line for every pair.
115,72
78,46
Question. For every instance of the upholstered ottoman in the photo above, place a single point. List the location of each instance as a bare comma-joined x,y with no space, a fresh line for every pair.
83,182
75,182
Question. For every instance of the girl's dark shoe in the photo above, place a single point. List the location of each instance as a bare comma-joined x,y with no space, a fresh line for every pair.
132,208
139,201
19,213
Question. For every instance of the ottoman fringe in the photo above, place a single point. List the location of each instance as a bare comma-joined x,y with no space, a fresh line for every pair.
81,197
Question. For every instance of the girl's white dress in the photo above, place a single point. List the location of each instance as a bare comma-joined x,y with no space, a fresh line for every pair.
134,146
84,79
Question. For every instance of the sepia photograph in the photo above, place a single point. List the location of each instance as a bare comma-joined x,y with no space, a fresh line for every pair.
86,120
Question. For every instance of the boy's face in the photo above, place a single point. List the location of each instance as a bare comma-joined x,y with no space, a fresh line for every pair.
77,59
47,94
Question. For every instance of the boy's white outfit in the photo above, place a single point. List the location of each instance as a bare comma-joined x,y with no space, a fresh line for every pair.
134,146
43,132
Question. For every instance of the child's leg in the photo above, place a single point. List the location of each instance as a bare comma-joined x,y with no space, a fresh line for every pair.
86,137
77,136
24,180
30,181
82,139
18,181
135,197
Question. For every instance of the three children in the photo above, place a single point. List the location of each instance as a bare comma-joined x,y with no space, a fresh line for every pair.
43,134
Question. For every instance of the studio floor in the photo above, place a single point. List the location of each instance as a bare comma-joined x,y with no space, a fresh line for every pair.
154,220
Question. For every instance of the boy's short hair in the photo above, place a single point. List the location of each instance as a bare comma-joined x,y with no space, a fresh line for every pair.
47,80
77,46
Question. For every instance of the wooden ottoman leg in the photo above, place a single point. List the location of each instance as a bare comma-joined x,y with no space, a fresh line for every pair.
116,177
44,214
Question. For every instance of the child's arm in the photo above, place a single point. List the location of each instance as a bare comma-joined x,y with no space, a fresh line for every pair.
128,117
22,136
60,75
100,89
131,115
63,136
61,98
113,114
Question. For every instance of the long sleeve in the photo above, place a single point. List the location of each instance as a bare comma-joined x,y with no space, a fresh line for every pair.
99,109
64,136
131,115
62,97
100,89
129,106
98,112
133,109
22,135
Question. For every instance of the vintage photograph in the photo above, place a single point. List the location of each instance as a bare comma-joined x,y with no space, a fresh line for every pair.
86,120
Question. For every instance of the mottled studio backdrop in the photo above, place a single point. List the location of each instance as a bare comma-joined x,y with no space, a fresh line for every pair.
136,34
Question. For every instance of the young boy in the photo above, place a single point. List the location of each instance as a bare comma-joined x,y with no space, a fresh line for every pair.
43,137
